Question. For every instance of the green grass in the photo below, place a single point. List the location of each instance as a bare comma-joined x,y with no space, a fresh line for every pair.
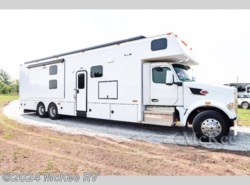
18,153
7,135
244,117
8,97
1,156
4,99
49,166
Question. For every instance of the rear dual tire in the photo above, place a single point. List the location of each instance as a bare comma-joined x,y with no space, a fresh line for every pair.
53,111
41,110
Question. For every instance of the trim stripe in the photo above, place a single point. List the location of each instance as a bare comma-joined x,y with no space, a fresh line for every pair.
46,63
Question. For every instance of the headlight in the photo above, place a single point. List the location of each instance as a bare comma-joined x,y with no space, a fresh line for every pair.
231,106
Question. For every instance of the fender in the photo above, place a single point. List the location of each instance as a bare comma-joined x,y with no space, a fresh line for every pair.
184,113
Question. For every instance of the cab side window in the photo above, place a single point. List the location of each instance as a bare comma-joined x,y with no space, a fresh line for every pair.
159,74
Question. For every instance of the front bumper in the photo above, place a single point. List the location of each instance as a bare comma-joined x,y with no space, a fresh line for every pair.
235,126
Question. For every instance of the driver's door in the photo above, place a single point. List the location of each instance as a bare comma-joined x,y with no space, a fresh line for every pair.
162,94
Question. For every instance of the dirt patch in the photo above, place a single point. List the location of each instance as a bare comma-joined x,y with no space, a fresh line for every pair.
32,149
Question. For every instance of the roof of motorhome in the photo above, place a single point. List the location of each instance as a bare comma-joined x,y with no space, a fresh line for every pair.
89,48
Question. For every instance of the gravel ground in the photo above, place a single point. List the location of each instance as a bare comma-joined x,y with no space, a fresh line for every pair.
128,131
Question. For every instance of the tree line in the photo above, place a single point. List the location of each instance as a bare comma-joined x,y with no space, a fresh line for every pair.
7,86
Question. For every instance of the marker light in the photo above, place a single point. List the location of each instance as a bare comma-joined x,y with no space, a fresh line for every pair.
184,43
203,92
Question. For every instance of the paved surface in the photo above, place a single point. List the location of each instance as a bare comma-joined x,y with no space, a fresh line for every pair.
128,131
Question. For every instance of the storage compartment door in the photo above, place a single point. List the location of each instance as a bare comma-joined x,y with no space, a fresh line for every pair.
124,112
108,90
99,110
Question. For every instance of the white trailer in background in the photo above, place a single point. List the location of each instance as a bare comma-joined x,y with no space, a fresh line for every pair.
141,80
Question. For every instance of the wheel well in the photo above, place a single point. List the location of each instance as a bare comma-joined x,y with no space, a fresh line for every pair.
200,109
244,102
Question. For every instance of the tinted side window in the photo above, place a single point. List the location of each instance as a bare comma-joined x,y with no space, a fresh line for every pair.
53,84
81,81
159,44
53,70
248,89
247,96
159,74
96,71
241,88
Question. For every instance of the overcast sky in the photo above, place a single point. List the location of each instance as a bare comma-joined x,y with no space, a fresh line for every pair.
220,38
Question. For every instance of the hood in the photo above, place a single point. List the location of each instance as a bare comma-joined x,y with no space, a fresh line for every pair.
211,87
218,93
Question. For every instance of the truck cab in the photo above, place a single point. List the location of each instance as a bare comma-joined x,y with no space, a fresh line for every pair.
177,99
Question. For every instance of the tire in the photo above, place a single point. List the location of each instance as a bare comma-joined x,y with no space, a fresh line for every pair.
245,105
41,111
53,111
210,126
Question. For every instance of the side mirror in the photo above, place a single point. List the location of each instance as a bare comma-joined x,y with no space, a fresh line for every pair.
194,79
169,78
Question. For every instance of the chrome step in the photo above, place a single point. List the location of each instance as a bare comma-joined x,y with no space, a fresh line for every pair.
159,115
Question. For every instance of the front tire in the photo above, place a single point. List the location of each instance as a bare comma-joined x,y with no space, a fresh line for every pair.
41,111
53,112
210,126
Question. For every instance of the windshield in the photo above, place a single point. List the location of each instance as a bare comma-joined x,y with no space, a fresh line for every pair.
182,72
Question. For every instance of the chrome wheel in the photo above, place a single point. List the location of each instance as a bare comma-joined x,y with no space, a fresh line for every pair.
211,127
53,111
41,110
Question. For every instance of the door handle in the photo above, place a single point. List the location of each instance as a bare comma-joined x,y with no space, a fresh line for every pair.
154,100
77,91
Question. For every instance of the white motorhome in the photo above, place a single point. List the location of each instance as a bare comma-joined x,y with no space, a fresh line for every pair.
140,80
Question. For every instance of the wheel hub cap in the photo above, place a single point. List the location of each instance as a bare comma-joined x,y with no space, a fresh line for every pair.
211,127
53,111
41,110
244,106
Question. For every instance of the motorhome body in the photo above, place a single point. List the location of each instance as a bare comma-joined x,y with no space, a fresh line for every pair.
141,80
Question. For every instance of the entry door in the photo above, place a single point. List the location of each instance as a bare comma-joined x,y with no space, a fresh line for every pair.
81,91
162,94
